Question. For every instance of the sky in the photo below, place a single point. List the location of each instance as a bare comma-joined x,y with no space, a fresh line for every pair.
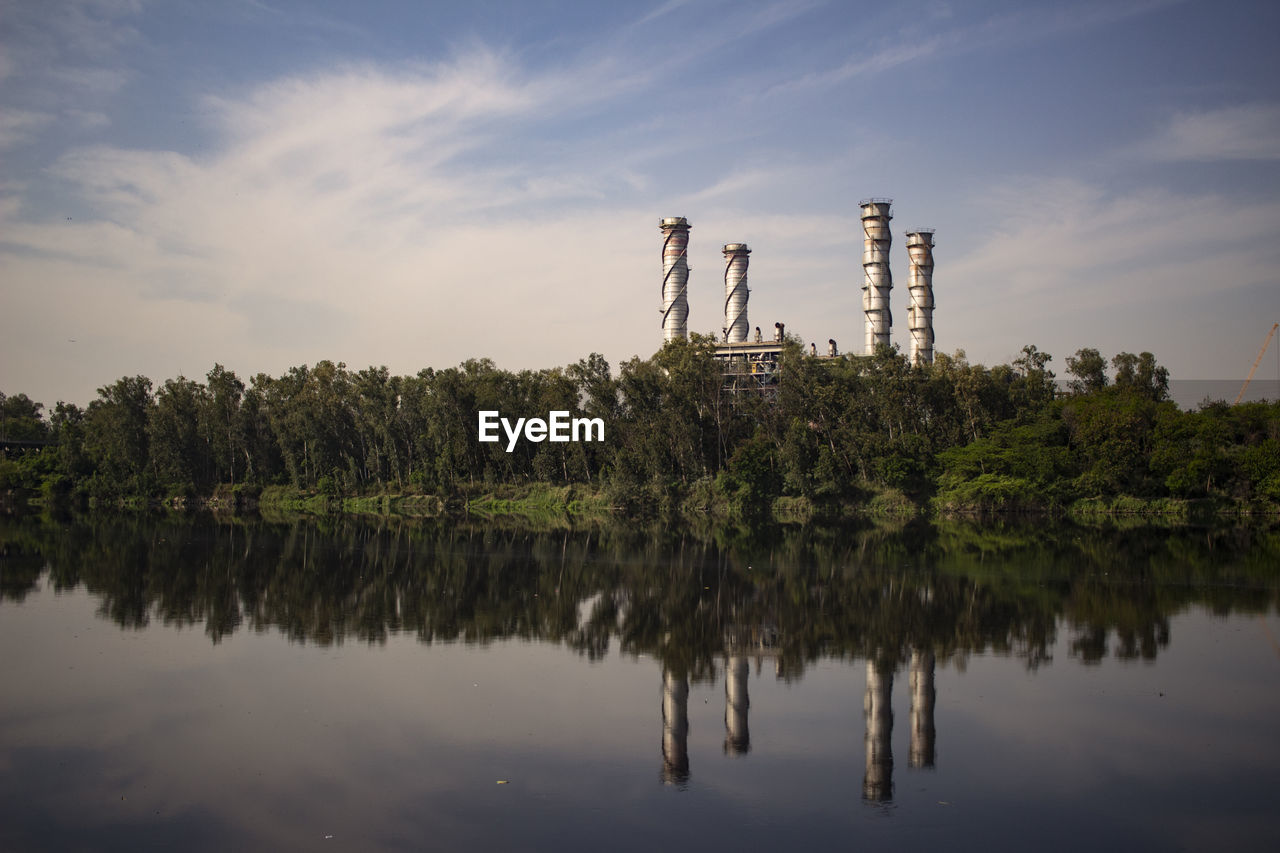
263,184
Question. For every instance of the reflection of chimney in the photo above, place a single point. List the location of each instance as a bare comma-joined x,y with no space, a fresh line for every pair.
922,696
675,729
737,739
877,784
675,278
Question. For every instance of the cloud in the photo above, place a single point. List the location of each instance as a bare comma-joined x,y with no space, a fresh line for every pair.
88,119
1245,132
62,59
917,43
92,81
1067,264
18,126
365,214
662,9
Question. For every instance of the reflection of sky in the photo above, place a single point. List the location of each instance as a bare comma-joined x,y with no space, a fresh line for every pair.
111,737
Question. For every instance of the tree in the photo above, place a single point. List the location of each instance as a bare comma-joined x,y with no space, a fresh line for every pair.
117,439
221,424
180,451
1035,385
20,419
1089,369
1141,375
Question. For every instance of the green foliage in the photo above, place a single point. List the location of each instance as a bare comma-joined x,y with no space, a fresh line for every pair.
751,480
1089,369
828,434
20,419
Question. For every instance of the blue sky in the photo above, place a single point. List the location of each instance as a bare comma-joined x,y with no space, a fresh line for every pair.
267,184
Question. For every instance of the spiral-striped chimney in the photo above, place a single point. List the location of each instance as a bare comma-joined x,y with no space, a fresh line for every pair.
735,292
675,278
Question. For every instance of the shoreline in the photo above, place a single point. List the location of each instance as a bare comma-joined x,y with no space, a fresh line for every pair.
581,502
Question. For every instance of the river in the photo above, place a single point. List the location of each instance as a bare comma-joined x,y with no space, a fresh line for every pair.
202,683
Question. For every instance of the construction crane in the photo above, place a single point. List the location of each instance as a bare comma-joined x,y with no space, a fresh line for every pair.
1256,362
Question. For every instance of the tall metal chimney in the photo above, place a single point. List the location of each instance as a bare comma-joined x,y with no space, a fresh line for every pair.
877,279
920,285
675,278
735,292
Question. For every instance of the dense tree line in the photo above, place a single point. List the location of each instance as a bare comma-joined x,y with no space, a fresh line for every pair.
833,431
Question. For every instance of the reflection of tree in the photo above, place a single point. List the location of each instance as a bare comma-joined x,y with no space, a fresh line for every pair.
689,600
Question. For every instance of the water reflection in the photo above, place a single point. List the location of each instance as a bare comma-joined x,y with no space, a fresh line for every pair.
701,605
675,613
925,593
877,783
675,729
922,696
737,735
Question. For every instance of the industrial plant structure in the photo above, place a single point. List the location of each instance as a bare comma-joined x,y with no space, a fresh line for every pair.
750,359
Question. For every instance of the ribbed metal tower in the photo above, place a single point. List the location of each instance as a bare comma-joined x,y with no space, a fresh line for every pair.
920,285
675,278
877,279
735,292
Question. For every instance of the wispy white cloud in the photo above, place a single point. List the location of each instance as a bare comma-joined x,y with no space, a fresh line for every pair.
1074,242
93,81
17,126
1244,132
661,10
88,118
918,43
353,214
1067,264
732,185
63,60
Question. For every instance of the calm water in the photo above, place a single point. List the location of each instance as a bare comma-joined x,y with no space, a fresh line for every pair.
349,685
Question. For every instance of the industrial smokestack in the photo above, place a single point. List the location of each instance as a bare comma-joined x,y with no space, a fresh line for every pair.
735,292
877,280
920,285
675,278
